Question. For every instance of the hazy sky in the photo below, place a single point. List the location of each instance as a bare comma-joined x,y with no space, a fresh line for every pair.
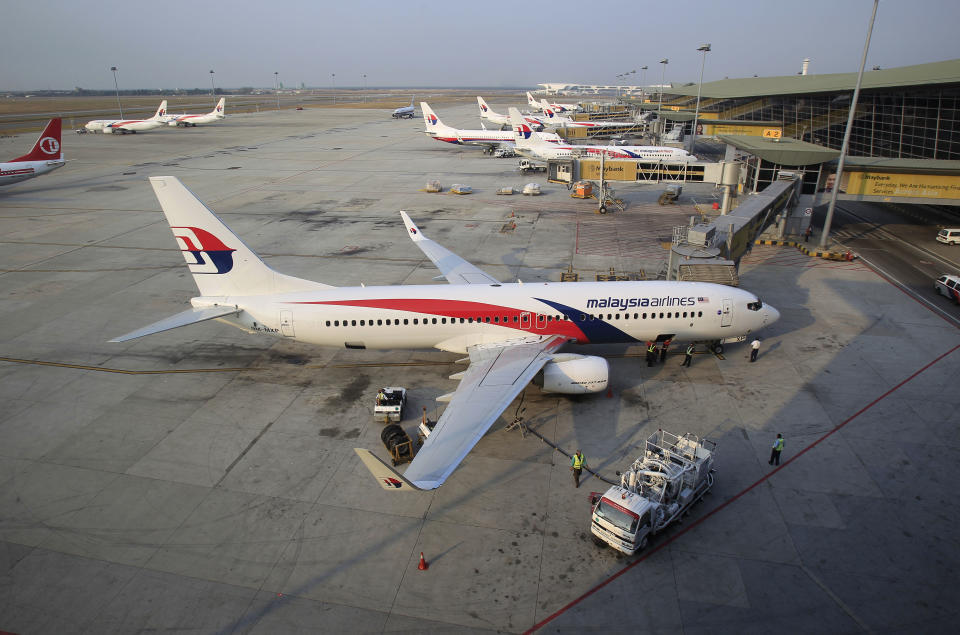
174,44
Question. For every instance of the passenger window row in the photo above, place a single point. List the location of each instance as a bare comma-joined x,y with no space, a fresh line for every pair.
496,319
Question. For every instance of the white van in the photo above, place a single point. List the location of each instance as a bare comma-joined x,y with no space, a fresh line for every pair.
949,236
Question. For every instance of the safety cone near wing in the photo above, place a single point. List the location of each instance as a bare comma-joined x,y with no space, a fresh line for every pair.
423,566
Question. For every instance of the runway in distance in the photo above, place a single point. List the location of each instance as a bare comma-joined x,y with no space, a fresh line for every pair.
124,126
535,105
404,112
511,333
489,139
46,156
496,118
215,115
531,143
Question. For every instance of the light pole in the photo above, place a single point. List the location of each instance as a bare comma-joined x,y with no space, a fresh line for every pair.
276,86
333,84
696,113
846,135
643,80
116,87
364,88
663,76
213,91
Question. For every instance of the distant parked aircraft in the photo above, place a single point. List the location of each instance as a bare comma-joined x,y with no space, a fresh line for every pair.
213,116
124,126
406,112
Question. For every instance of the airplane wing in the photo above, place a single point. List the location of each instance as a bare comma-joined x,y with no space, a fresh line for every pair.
454,268
496,375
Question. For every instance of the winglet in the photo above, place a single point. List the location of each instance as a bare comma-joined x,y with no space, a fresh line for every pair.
388,477
415,234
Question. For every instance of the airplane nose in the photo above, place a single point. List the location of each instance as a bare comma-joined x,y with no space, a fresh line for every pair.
770,315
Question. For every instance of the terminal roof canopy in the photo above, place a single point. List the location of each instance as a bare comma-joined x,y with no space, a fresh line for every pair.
905,76
782,151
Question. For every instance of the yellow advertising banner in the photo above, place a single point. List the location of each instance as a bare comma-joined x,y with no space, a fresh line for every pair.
612,170
902,185
723,128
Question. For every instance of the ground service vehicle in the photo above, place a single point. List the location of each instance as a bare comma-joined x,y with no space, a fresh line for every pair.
390,403
673,473
949,236
949,286
526,165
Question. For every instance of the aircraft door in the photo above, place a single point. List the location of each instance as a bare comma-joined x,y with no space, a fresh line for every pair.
525,320
726,314
541,321
286,323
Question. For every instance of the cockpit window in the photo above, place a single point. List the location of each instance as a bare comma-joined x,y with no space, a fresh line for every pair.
755,306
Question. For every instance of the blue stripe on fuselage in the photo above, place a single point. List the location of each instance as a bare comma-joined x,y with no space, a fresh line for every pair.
596,330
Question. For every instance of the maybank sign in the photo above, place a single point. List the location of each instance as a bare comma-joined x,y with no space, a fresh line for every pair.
630,303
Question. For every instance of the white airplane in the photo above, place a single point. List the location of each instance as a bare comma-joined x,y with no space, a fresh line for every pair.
555,120
504,120
490,139
530,143
535,105
404,112
46,156
213,116
511,333
124,126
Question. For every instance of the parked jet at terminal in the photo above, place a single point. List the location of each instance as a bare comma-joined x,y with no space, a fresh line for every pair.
124,126
535,105
554,120
490,139
405,112
530,143
504,120
215,115
511,333
46,156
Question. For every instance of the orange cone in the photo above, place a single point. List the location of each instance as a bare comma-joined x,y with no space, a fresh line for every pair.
423,566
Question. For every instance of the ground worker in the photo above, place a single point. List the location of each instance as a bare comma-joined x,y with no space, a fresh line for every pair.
651,353
754,349
806,234
380,397
691,347
776,450
576,465
663,350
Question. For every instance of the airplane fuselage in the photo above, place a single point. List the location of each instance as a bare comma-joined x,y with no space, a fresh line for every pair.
454,317
23,170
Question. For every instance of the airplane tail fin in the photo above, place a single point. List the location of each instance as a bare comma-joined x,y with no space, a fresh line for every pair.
219,261
47,147
532,102
161,111
523,134
219,110
411,100
430,118
484,108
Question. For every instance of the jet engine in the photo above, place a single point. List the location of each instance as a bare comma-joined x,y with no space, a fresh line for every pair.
573,374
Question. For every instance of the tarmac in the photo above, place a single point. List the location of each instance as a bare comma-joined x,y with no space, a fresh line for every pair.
204,480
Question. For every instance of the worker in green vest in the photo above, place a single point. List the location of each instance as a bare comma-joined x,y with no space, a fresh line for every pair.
577,464
776,450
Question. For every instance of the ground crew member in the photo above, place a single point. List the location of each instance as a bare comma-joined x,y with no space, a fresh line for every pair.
806,234
651,353
754,349
577,464
776,450
380,397
663,351
691,347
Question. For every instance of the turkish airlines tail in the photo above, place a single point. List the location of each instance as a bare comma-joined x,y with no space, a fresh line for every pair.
219,261
47,147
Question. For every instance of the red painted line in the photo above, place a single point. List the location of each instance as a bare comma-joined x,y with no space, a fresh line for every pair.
736,497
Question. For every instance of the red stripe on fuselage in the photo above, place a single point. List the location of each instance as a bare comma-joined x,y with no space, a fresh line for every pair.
464,309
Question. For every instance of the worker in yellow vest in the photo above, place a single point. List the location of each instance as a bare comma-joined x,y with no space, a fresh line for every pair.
577,464
776,450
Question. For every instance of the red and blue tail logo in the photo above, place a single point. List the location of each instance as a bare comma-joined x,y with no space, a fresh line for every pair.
392,482
523,130
203,251
432,119
483,107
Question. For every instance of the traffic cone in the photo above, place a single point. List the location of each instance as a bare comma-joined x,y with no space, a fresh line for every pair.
423,566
